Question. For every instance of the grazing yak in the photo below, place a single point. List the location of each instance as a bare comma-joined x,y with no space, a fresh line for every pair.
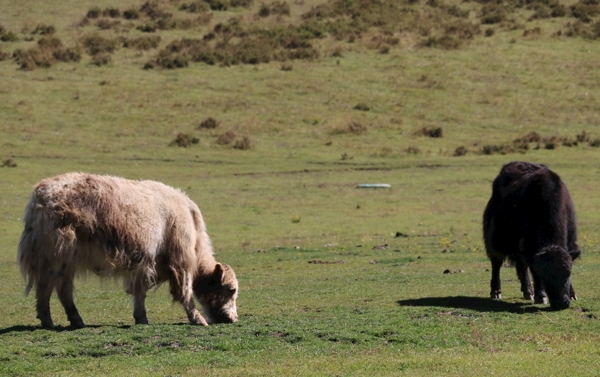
144,232
530,219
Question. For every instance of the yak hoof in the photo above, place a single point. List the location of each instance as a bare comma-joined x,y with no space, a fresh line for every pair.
77,324
540,300
496,295
528,296
574,298
141,321
48,325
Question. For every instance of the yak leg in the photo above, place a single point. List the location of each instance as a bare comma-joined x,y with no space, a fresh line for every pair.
496,292
524,279
139,308
539,296
182,292
64,289
573,295
43,291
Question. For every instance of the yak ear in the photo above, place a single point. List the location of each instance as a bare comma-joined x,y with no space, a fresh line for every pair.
575,254
218,273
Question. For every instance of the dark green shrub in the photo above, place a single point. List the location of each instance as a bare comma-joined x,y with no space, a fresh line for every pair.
460,151
94,12
131,14
96,44
227,138
243,144
434,132
558,11
492,14
209,123
101,59
8,37
142,43
362,107
111,12
44,29
195,7
184,140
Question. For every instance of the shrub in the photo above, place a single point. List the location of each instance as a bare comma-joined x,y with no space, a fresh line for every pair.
8,36
208,123
101,59
3,55
184,140
142,43
243,144
362,107
460,151
96,44
434,132
131,14
44,29
9,163
227,138
111,12
94,12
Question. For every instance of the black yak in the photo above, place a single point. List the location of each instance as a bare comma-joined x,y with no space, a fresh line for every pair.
530,219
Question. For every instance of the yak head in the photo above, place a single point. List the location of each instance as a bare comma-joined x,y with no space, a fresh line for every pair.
553,266
217,293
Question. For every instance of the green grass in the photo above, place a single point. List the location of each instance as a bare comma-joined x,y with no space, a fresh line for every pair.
316,297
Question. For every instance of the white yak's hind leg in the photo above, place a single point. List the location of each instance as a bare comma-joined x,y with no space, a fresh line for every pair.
138,288
43,291
64,288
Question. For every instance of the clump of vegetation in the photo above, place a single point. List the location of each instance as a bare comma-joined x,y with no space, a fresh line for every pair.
434,132
43,29
9,163
460,151
279,8
362,107
96,44
413,150
48,51
227,138
352,127
226,4
142,43
7,36
242,144
184,140
208,123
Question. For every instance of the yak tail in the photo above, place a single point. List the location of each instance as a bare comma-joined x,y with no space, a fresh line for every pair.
44,242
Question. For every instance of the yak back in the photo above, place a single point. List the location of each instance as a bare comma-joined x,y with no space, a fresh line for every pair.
134,224
530,208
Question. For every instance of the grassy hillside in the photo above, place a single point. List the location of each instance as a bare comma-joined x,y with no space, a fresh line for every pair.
268,114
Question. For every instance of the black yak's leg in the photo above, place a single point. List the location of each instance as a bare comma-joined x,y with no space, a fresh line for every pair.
65,295
524,279
539,296
573,294
43,291
496,291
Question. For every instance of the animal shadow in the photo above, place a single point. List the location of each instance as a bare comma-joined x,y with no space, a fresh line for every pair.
479,304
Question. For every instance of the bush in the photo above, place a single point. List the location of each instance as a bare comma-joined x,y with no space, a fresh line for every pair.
195,7
227,138
142,43
362,107
131,14
101,59
111,12
243,144
434,132
184,140
460,151
208,123
94,12
96,44
44,29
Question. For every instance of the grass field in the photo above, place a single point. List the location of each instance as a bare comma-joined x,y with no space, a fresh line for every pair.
326,287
